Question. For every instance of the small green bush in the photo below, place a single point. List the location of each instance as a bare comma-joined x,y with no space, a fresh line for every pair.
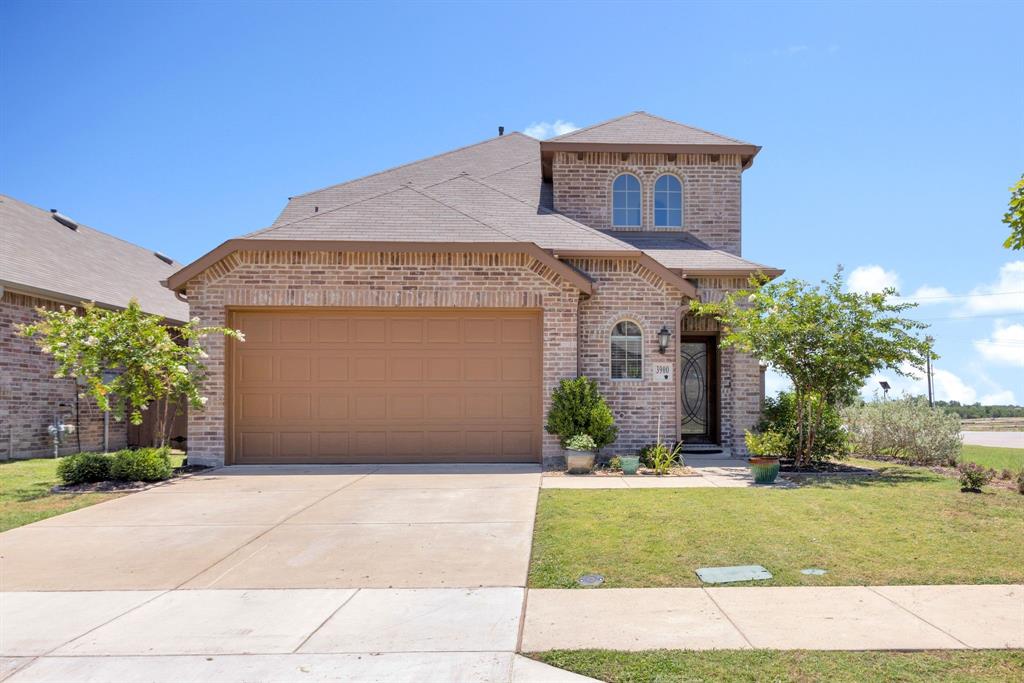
766,444
577,407
84,468
615,464
908,429
581,442
144,464
662,457
973,476
779,416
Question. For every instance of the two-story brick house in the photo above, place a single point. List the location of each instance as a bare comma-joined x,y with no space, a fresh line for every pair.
426,313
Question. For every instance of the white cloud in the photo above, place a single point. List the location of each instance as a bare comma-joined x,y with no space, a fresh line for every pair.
926,295
1005,346
948,386
544,130
1001,398
1005,295
869,279
775,381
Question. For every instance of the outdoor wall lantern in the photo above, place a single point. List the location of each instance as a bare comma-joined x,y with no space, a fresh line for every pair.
663,338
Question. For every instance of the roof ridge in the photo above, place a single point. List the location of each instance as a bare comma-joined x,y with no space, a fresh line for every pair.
89,227
440,201
547,211
594,125
411,163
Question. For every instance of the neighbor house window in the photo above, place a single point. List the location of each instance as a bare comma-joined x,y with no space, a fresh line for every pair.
668,202
627,351
626,201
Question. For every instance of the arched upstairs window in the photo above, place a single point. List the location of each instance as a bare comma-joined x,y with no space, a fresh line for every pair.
627,351
668,202
626,201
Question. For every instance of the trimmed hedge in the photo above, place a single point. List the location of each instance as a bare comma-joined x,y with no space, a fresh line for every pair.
144,464
84,468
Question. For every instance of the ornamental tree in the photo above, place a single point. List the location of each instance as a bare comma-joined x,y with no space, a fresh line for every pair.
827,341
129,361
1014,216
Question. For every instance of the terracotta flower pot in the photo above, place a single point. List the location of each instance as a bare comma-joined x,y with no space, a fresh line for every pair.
765,469
579,462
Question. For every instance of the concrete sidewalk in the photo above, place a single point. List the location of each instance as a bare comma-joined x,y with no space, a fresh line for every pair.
784,618
996,439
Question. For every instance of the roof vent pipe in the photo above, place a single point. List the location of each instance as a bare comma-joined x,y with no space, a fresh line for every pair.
166,259
63,220
501,131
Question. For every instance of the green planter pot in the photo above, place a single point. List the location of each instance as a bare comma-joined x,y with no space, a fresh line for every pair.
630,463
764,469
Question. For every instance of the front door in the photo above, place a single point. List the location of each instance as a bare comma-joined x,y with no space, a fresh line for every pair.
698,389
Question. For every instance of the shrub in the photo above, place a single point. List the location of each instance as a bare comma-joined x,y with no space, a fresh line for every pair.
577,407
907,429
973,476
1006,474
1020,482
779,415
84,468
615,464
766,444
660,457
144,464
581,442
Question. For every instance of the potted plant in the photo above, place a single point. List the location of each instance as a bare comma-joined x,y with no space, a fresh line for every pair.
765,449
577,407
579,454
629,463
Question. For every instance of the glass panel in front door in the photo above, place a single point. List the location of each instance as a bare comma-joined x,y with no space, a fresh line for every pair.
693,387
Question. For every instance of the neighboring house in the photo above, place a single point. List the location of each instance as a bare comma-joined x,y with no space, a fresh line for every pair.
49,260
426,313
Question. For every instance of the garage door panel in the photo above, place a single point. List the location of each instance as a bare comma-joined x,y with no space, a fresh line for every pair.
378,385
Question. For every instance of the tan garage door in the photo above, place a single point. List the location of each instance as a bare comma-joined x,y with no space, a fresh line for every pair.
397,385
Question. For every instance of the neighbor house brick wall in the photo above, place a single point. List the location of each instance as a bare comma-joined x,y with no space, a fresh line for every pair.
625,290
741,388
30,395
353,280
711,190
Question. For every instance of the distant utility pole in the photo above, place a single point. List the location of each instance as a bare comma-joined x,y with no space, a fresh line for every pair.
931,398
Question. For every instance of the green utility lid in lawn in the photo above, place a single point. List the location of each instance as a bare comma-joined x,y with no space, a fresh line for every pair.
746,572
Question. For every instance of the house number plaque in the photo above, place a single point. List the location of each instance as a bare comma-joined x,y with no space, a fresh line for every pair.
663,372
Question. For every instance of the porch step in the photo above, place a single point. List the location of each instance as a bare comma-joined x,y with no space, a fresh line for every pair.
706,452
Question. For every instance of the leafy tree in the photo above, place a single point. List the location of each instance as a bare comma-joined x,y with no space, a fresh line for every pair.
127,360
825,340
577,407
1014,216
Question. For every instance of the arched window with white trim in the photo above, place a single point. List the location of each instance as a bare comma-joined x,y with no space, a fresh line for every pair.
668,202
627,351
626,201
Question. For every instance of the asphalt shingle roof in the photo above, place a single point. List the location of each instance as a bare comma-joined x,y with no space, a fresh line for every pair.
641,128
41,256
685,253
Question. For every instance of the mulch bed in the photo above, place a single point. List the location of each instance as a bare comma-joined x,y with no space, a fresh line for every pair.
123,486
642,472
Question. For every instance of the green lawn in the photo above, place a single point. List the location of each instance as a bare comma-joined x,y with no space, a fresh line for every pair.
997,458
25,492
664,666
904,526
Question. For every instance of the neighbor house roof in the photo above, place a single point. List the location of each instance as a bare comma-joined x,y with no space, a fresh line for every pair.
42,256
643,132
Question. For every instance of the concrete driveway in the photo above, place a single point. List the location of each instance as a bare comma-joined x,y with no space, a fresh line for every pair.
385,573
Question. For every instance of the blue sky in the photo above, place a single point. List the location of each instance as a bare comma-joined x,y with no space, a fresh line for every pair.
891,132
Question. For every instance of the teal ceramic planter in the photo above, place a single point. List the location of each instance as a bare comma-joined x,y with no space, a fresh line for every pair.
630,463
765,470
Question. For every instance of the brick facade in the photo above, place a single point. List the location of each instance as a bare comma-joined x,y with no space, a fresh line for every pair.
582,184
576,328
30,395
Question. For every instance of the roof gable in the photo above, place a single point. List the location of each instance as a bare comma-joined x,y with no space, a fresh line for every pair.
641,128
